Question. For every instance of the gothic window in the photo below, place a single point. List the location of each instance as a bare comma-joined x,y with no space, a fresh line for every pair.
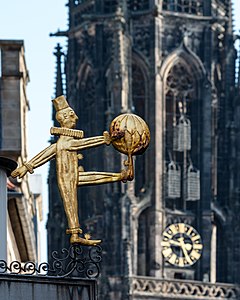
143,249
138,91
110,6
179,93
139,103
87,122
182,134
89,108
194,7
221,269
136,5
78,19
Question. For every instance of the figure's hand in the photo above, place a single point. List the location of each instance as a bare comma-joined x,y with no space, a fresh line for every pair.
107,137
19,172
117,135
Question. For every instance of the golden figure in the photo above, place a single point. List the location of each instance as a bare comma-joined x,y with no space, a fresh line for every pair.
126,136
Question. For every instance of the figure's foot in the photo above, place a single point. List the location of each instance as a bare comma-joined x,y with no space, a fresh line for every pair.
128,174
76,239
74,230
124,176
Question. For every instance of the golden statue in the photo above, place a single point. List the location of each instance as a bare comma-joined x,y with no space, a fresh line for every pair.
129,134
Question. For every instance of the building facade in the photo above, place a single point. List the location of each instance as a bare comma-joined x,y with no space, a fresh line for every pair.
172,62
24,205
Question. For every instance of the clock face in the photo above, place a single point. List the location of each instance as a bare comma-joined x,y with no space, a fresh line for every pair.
181,245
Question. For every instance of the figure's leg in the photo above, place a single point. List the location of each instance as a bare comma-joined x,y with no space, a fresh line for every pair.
68,192
94,178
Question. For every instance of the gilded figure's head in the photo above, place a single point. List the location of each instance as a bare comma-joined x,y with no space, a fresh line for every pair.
65,115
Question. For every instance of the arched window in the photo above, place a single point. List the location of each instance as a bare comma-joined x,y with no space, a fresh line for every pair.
194,7
89,107
221,253
87,117
143,245
182,132
135,5
139,96
179,93
138,90
88,123
110,6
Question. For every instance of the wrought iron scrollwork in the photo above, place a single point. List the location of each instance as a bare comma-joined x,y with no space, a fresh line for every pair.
77,261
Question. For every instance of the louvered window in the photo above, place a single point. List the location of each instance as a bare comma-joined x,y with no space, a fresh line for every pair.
181,137
194,7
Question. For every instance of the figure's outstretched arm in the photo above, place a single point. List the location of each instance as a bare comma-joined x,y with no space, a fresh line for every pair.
90,142
38,160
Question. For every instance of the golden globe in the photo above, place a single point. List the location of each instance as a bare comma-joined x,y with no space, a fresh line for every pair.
130,134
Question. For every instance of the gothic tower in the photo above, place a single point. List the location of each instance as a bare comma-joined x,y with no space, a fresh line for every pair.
173,63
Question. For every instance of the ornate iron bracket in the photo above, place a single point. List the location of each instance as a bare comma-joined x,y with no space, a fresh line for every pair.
77,261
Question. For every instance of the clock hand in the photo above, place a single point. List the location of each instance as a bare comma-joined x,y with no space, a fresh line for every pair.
175,243
187,245
184,249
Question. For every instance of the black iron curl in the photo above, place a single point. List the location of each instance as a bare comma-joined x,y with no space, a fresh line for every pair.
77,261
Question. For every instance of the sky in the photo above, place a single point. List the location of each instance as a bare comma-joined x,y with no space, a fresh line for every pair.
32,21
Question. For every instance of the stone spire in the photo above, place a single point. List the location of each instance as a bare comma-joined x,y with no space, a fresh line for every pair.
56,238
59,86
121,56
59,83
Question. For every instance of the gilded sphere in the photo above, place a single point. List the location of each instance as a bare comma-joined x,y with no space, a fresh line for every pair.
130,134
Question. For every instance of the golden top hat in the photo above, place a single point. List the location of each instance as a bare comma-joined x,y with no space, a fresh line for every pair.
60,103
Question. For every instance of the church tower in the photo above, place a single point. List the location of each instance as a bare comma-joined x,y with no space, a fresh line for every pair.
172,62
